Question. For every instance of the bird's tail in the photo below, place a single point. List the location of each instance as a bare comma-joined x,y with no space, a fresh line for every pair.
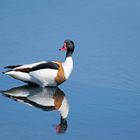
5,72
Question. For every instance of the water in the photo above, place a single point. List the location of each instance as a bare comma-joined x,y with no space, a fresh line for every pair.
103,92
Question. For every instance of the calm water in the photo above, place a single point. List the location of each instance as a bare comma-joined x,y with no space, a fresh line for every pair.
103,92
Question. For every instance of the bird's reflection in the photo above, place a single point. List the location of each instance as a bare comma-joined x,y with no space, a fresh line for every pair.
47,99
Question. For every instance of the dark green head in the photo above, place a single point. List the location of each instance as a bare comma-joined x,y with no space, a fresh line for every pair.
69,47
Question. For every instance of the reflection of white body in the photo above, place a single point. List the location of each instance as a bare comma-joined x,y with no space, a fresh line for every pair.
40,97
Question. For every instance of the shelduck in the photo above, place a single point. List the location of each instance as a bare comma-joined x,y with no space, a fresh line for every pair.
51,73
44,98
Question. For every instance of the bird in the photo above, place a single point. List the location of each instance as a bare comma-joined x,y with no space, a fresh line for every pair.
45,98
45,73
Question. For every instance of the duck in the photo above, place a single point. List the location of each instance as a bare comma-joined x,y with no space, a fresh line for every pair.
45,98
45,73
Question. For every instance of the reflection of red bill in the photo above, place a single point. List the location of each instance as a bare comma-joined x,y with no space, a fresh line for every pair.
64,48
57,128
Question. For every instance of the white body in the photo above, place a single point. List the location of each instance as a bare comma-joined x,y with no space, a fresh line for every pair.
42,77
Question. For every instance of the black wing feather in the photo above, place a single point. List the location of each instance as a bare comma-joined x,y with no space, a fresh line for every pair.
49,65
26,100
12,67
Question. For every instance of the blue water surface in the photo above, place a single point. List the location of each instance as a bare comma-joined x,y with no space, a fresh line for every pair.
104,88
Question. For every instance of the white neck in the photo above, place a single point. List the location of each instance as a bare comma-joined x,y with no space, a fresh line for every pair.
64,108
68,66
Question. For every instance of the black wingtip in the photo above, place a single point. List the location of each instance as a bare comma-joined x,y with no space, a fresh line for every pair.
11,67
3,72
3,92
7,67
